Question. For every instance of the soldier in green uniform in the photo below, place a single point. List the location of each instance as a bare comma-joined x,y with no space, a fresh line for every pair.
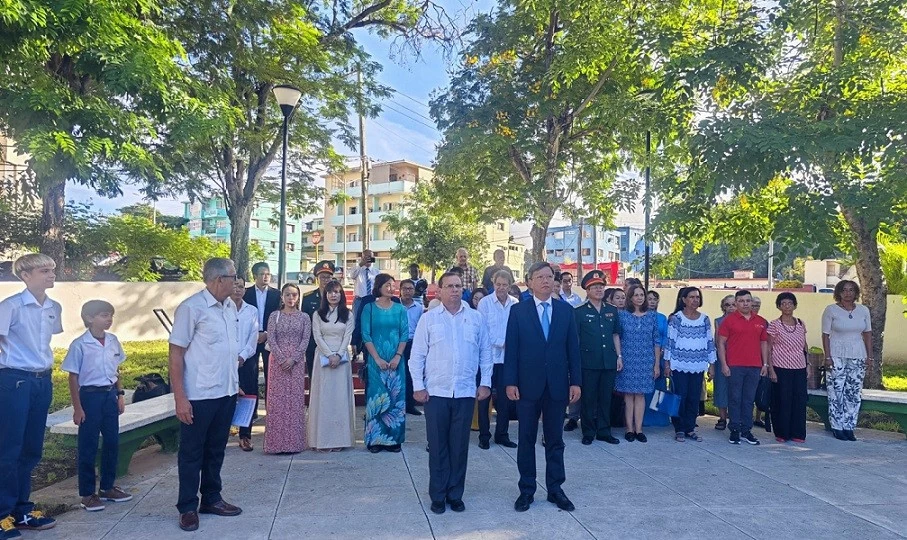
311,301
598,326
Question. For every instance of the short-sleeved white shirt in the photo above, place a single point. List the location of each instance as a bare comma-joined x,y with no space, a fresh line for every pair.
95,364
25,331
209,331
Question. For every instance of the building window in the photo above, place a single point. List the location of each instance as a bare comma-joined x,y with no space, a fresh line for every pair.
601,253
291,246
587,233
338,233
559,235
352,237
549,251
255,223
219,204
353,210
291,228
558,252
500,225
273,244
339,210
587,251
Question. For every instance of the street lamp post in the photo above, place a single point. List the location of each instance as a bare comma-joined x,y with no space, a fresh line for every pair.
287,97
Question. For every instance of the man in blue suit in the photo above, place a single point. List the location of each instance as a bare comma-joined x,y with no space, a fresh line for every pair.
542,372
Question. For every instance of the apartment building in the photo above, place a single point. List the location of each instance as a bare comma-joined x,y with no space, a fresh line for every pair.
208,217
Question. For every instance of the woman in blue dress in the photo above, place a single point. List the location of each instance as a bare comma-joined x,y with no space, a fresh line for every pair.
640,346
385,330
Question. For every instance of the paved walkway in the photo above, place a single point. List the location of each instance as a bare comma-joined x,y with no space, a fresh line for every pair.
663,489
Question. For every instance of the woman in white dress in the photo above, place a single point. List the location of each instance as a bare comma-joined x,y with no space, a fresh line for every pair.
332,406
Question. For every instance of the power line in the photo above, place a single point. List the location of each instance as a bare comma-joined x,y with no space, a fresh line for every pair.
377,123
413,118
411,98
411,110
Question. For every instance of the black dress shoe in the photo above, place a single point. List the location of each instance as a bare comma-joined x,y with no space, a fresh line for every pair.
457,505
848,434
561,501
395,448
413,411
610,439
570,425
839,434
522,503
375,449
630,436
641,437
587,440
506,443
484,445
438,507
220,508
189,521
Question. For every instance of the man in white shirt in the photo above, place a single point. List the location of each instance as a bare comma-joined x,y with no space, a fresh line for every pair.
363,275
496,309
247,314
450,346
566,293
414,312
204,352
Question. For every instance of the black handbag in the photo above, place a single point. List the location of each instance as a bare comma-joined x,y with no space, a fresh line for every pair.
151,385
764,394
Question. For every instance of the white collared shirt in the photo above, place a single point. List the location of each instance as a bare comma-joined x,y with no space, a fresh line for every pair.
540,309
573,299
413,313
209,331
496,315
248,330
25,331
94,363
261,300
361,274
448,349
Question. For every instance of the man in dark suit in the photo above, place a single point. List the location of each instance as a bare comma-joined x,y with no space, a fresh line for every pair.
267,300
542,372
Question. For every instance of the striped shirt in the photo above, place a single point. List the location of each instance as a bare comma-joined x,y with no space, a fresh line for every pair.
690,344
788,344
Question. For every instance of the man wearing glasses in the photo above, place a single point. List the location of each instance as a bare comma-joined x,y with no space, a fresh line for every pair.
204,352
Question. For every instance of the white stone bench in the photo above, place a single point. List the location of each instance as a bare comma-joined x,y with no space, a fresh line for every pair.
894,404
155,417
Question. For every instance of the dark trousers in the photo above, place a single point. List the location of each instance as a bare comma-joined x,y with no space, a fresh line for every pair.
24,401
201,452
447,423
102,419
264,356
502,405
741,393
689,387
552,413
595,401
789,404
410,400
248,382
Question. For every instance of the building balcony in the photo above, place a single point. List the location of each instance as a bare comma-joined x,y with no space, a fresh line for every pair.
383,188
374,218
374,245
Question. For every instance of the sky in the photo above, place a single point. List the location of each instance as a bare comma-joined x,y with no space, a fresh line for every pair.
403,130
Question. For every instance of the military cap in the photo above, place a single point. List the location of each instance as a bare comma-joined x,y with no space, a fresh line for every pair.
595,277
324,266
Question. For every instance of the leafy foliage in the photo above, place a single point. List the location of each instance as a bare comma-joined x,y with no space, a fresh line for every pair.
429,237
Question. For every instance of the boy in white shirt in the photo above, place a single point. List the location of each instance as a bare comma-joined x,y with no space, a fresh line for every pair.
97,395
27,322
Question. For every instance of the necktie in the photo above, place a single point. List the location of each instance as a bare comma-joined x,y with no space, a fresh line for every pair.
545,322
368,284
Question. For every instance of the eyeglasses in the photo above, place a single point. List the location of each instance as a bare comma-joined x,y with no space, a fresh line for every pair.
233,277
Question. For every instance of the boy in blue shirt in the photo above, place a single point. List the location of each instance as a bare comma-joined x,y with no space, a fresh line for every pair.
27,321
92,362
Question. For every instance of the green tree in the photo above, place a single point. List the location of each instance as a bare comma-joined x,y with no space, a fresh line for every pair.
147,211
429,237
894,263
239,52
84,84
552,99
806,146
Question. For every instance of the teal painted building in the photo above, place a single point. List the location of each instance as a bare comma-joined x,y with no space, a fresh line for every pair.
208,217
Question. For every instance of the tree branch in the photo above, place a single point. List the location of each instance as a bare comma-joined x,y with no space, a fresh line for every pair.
519,163
356,21
597,88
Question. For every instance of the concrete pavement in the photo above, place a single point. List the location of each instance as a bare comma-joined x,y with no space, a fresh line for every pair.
662,489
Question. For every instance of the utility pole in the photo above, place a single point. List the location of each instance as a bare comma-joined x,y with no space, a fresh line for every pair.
648,201
579,253
363,165
771,264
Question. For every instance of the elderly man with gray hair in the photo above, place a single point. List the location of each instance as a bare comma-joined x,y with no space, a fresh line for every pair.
204,356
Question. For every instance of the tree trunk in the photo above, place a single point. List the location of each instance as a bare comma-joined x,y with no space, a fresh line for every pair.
240,215
873,289
538,232
52,213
